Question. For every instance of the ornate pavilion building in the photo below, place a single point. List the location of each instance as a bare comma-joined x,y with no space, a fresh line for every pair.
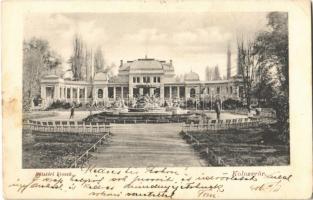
146,76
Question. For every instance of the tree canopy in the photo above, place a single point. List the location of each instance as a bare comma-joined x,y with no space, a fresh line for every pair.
38,61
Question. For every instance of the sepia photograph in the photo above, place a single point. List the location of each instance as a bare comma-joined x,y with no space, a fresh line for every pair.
206,89
157,99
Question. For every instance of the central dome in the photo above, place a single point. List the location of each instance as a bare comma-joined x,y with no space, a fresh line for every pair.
192,76
146,64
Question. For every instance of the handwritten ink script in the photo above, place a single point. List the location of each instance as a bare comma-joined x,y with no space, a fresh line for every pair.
148,182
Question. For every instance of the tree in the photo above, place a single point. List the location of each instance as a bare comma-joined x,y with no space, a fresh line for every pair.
77,59
216,73
110,70
38,61
208,73
272,47
248,63
99,61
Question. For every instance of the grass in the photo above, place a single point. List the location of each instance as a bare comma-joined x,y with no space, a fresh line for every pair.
256,146
54,150
39,114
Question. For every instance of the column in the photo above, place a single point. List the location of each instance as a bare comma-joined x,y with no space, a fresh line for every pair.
95,96
170,92
114,92
60,92
198,95
86,95
187,93
65,94
71,94
178,92
151,91
105,93
162,93
43,94
130,91
78,88
56,92
122,91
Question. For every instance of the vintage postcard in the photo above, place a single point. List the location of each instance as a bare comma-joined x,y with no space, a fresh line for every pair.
157,99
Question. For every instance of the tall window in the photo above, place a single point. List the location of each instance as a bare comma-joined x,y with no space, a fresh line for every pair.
138,79
159,79
81,93
154,79
134,79
100,93
192,92
68,93
110,92
144,79
218,89
181,92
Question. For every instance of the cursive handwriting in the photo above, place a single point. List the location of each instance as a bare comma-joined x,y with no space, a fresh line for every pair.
154,182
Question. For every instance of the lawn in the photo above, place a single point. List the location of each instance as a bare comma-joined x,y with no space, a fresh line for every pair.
54,150
240,147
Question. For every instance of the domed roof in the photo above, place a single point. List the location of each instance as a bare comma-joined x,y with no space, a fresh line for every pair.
146,64
191,76
101,76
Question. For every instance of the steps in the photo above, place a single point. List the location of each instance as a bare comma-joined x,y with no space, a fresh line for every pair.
142,145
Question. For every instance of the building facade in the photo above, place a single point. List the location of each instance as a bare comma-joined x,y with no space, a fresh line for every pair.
146,76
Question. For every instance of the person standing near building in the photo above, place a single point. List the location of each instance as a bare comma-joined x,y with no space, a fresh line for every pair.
72,112
218,108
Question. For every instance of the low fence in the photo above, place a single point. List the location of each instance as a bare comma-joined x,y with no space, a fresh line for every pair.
144,121
82,159
214,159
222,124
67,126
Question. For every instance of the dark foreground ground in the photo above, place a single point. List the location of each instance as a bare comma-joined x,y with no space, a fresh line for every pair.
240,147
54,150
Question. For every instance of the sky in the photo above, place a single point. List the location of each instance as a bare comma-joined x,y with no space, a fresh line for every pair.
192,40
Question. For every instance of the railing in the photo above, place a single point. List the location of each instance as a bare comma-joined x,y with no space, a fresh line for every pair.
222,124
85,156
214,158
67,126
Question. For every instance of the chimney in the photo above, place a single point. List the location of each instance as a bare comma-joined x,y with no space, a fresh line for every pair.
228,62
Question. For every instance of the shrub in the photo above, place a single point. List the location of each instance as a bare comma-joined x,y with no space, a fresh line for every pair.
231,104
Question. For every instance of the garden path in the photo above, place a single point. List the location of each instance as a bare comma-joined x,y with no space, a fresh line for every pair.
141,145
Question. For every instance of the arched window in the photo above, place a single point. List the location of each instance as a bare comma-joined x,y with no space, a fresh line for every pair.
100,93
192,92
